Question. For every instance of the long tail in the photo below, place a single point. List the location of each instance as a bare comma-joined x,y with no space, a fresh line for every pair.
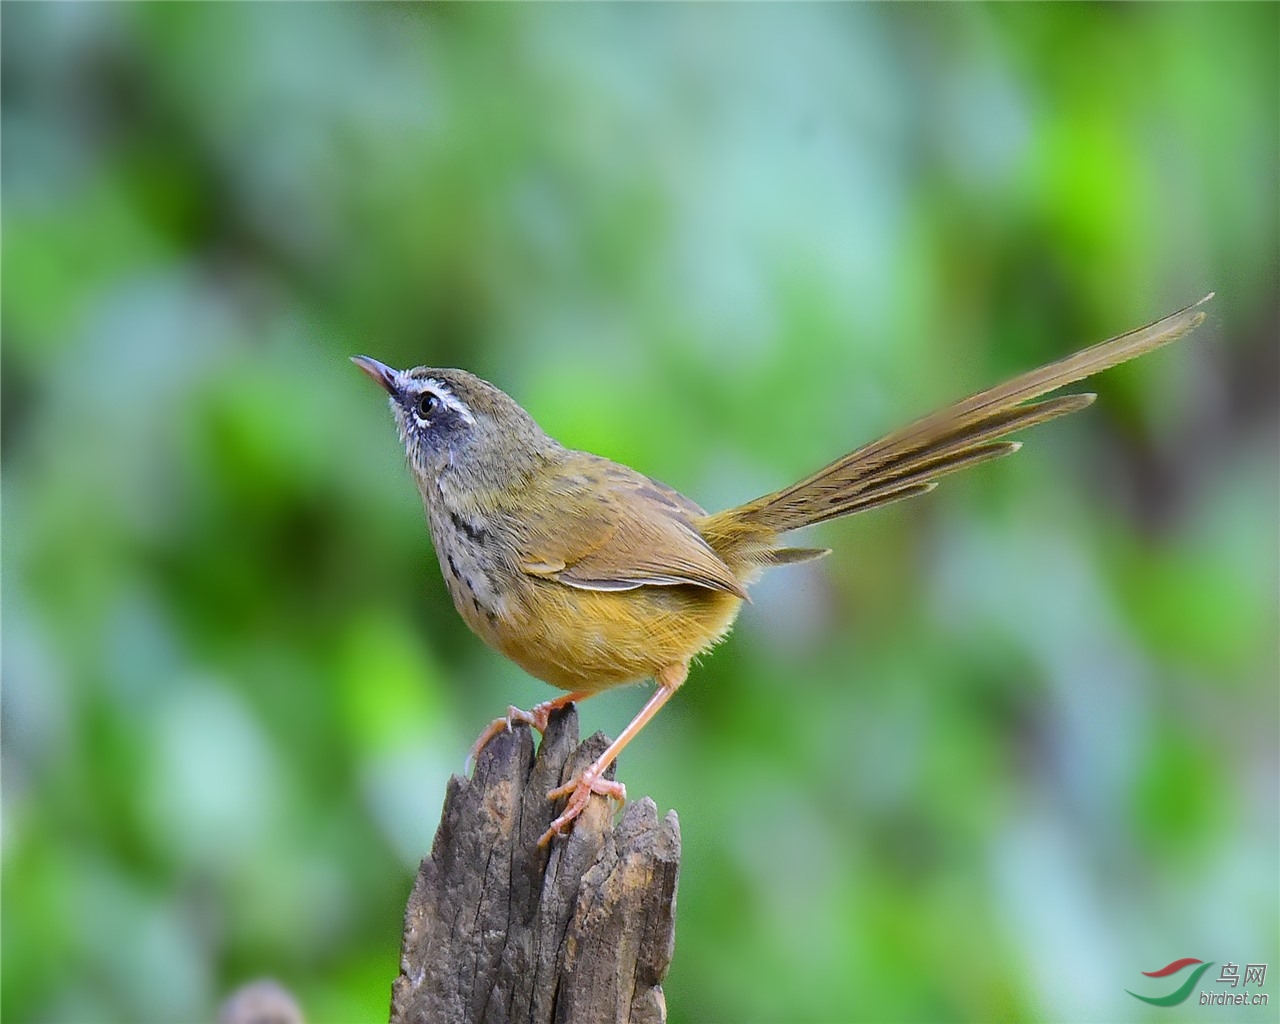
910,461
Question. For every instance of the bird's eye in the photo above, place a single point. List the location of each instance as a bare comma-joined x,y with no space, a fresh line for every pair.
428,405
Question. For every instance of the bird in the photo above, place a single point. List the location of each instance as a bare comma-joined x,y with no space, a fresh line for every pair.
589,574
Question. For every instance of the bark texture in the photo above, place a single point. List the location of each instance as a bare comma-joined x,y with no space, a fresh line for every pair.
499,929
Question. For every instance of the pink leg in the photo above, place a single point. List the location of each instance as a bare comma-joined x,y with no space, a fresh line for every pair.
591,779
536,716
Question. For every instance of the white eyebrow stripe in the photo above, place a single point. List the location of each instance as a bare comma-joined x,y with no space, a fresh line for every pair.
447,397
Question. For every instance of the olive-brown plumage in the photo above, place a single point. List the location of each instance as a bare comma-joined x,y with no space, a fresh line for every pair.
589,574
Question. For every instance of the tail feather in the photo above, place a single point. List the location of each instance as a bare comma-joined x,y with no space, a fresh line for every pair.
917,478
854,485
909,461
789,556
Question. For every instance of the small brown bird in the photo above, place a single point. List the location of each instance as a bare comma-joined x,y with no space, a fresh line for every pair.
588,574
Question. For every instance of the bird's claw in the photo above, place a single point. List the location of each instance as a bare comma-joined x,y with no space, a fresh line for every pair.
536,716
579,791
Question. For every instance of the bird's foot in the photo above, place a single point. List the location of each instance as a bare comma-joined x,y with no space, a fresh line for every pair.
537,716
579,791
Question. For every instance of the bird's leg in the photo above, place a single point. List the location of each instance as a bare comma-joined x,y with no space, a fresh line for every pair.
536,716
591,779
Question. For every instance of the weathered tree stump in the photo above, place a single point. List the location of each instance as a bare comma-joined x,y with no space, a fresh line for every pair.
499,929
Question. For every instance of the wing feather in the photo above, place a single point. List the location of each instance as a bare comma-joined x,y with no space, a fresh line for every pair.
607,527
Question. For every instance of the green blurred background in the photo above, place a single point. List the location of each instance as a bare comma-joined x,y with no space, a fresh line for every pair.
1013,744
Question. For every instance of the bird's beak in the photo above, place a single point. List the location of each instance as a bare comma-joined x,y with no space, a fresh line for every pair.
380,372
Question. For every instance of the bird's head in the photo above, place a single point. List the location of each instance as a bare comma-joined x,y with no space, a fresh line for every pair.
453,419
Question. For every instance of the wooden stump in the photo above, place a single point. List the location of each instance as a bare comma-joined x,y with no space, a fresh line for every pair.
499,929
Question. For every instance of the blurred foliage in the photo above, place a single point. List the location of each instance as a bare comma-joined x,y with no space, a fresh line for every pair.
1011,745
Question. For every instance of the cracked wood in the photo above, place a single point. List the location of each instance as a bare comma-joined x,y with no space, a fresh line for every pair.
500,930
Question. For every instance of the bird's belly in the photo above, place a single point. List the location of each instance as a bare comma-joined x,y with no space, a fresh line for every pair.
591,640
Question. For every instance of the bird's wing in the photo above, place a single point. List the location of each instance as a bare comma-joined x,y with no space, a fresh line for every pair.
607,527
